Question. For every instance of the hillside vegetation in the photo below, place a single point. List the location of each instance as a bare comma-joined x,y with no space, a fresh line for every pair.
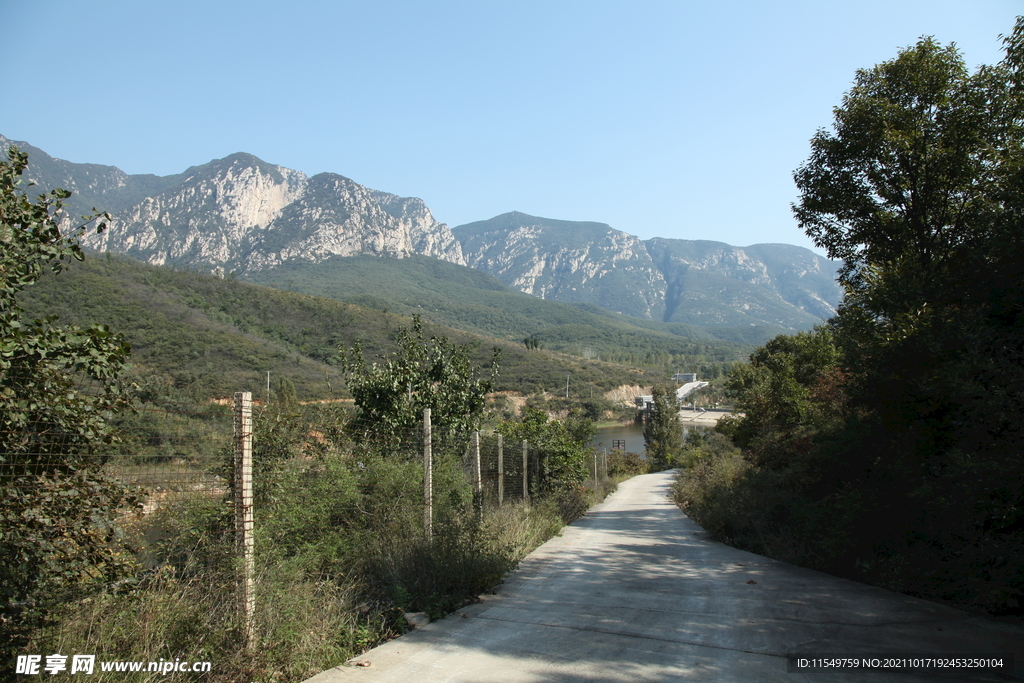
463,298
214,336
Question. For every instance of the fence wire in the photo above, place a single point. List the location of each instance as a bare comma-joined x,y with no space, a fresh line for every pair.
85,475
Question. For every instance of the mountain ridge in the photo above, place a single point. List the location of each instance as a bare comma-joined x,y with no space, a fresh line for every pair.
241,213
244,215
702,282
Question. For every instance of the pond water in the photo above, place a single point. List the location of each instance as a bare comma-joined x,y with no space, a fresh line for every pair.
632,434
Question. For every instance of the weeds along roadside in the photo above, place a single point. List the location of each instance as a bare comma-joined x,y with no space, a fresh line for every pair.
822,512
753,508
340,556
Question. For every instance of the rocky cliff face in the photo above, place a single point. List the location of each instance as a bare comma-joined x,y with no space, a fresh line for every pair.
688,281
567,261
205,219
426,235
243,214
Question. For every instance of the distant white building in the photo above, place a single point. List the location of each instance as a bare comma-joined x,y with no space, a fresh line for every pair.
688,388
647,402
685,377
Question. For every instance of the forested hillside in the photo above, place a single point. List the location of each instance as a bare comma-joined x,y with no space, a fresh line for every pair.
217,336
462,298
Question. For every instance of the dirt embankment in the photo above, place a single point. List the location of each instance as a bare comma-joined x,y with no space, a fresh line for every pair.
514,398
626,393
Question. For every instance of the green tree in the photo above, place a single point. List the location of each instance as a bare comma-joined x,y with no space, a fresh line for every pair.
919,188
285,394
560,447
896,427
58,393
786,393
663,431
915,172
434,373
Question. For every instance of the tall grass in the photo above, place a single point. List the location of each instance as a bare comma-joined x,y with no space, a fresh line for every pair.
305,624
341,555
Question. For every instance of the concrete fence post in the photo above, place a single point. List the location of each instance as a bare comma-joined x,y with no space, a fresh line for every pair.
244,514
478,479
478,482
428,475
526,490
501,472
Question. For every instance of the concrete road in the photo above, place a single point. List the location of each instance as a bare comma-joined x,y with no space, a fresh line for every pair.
707,418
634,591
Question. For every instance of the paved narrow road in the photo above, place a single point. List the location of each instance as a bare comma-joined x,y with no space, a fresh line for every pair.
634,591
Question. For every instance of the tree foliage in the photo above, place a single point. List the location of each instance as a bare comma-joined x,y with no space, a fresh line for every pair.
434,373
784,393
663,432
898,425
917,171
58,393
560,448
920,189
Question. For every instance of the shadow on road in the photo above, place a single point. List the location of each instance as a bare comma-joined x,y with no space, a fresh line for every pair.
635,591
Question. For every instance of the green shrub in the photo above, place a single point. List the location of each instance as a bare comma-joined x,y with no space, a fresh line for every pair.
622,464
701,444
711,492
341,553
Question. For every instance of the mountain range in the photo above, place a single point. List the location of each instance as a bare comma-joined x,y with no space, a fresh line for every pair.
700,282
243,216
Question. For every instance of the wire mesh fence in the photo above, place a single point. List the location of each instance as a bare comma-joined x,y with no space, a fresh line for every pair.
83,465
508,470
152,498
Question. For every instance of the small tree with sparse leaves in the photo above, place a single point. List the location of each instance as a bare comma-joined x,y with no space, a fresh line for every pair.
663,432
59,389
423,373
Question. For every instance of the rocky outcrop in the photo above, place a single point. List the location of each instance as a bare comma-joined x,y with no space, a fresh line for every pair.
242,214
426,235
245,215
567,261
207,218
687,281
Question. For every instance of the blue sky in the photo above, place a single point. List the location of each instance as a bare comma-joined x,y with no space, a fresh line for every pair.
672,119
